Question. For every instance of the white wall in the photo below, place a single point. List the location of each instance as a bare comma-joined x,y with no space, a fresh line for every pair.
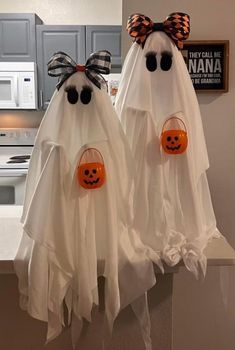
68,11
201,321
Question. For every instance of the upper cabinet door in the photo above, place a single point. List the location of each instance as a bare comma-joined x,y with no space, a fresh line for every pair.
17,37
50,39
105,38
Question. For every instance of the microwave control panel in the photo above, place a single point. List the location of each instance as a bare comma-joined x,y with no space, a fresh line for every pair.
27,90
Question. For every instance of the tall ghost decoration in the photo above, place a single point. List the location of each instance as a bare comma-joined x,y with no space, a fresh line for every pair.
77,210
159,111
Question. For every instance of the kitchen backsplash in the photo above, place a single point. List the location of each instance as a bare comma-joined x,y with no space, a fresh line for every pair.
22,119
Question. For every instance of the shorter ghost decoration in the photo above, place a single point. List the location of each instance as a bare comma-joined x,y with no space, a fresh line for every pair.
72,234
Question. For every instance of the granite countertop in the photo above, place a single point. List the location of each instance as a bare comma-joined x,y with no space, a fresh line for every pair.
218,252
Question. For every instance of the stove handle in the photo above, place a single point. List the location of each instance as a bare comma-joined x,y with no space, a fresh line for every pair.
5,173
41,99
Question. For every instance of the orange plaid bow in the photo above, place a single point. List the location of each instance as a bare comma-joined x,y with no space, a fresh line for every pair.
176,26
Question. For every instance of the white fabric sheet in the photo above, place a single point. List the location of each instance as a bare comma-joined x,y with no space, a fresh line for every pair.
73,235
172,206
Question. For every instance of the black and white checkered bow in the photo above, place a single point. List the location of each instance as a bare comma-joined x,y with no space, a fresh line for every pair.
63,66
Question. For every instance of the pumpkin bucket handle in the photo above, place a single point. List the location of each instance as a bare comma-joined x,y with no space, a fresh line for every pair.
174,118
89,149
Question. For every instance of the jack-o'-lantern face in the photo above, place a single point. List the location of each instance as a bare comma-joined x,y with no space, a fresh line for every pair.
91,175
174,141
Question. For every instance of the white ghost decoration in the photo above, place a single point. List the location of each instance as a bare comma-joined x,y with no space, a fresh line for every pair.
172,206
73,234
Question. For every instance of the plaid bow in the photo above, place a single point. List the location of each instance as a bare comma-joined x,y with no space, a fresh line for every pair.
63,66
176,26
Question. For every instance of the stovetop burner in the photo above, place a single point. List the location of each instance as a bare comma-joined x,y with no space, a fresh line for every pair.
16,161
19,159
16,146
22,157
15,157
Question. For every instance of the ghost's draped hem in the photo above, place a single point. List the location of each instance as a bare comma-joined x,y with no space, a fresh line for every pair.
61,293
47,300
191,253
43,295
130,270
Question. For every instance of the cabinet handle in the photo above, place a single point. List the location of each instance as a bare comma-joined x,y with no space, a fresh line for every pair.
41,98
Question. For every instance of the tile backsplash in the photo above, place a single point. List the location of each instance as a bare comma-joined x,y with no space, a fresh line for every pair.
22,119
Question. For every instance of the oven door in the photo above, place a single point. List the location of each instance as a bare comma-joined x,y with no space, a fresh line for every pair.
12,187
9,90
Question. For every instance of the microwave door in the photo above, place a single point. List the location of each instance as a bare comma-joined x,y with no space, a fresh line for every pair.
8,90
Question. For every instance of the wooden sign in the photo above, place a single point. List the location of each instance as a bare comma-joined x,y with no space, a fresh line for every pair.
207,63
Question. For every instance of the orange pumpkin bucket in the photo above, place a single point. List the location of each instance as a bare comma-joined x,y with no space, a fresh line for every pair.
174,141
91,175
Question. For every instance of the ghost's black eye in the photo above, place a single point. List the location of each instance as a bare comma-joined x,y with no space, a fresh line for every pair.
72,94
151,61
86,95
166,61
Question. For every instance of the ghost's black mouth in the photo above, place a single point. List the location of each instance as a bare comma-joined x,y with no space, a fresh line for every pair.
92,182
173,148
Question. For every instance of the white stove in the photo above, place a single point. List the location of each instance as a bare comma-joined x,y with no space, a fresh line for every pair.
16,146
14,158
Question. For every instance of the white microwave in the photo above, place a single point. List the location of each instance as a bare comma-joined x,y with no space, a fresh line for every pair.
18,85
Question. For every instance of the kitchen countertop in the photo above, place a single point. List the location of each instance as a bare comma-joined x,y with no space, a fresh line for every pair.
218,252
10,235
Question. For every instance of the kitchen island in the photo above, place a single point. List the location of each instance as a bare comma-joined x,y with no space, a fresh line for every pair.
19,331
10,235
218,252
